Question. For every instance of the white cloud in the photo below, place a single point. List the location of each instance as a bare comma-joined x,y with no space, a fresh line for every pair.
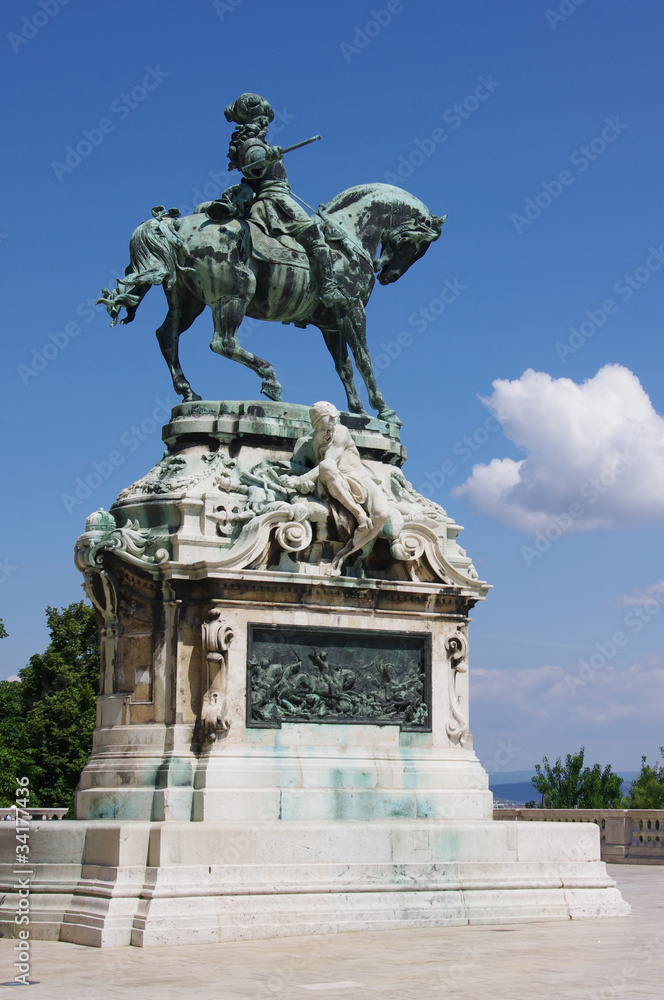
652,595
594,454
615,713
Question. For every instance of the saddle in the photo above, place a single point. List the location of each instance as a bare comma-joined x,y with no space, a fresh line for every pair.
283,249
275,250
286,250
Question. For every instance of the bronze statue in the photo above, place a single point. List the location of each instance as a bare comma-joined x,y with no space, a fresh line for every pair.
265,195
243,256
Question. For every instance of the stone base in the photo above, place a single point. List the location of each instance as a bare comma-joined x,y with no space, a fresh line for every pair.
282,742
299,772
149,884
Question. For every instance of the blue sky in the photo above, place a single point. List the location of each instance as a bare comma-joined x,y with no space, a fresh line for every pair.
538,129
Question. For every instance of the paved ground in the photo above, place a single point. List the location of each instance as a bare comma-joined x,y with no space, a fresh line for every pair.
571,960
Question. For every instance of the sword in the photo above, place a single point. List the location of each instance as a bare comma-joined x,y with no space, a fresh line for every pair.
298,145
287,149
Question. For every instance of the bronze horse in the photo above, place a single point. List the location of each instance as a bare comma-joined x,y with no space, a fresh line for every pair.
201,262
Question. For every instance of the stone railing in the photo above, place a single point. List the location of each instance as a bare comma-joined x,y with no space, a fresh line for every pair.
9,813
628,836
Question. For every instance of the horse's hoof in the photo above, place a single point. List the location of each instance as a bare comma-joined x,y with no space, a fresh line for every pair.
188,395
390,417
272,390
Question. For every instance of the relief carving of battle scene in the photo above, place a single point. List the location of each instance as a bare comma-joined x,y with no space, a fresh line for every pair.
342,675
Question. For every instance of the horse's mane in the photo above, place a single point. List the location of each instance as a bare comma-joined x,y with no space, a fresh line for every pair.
383,192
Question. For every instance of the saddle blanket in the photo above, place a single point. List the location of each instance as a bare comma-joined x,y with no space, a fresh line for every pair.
284,250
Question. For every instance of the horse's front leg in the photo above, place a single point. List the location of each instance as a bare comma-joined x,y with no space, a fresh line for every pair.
228,314
353,327
182,311
338,348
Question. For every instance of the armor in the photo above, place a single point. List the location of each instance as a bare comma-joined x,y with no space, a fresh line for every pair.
264,194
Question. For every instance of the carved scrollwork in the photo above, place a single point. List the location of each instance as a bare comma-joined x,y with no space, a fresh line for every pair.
217,637
102,591
294,536
103,535
105,599
408,546
213,722
456,648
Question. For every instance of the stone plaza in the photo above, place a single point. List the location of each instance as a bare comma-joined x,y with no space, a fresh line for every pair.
614,959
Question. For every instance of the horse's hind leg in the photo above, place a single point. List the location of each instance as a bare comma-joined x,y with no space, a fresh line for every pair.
228,314
338,348
182,311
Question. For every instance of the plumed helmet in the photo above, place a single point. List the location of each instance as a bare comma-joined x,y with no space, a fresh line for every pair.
247,108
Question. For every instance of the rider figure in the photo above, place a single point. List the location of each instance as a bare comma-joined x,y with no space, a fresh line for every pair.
264,192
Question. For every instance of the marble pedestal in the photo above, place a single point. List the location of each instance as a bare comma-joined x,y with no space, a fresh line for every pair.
283,747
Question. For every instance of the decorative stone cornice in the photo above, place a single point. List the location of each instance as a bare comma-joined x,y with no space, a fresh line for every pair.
226,497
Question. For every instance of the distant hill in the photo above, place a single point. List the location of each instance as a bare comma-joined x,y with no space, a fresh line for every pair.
516,792
509,777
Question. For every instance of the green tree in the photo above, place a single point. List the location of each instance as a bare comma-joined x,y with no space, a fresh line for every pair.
3,631
11,740
47,718
573,786
647,791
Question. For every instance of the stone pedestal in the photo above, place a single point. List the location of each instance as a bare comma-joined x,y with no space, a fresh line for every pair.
282,743
221,608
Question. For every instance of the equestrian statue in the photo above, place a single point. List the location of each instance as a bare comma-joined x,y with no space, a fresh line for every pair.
255,252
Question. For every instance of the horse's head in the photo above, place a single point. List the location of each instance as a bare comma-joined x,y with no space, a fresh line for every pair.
402,245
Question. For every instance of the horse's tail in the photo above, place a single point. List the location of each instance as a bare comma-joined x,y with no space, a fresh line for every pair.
153,253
